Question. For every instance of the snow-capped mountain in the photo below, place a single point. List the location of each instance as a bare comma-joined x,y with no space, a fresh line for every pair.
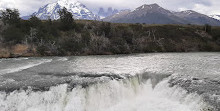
215,17
78,10
155,14
197,18
149,14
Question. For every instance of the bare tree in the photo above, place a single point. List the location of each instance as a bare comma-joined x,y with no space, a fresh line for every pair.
153,33
33,34
99,44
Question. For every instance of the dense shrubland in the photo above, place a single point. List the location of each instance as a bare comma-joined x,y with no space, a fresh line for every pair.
67,36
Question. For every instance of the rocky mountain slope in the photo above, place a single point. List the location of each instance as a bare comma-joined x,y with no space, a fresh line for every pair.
197,18
149,14
154,14
117,15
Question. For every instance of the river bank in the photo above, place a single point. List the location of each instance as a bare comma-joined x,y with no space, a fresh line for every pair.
103,38
21,50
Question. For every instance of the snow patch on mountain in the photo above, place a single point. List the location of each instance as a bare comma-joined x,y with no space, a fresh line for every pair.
188,12
215,17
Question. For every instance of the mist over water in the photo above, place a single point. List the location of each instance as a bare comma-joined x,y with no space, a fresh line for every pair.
141,82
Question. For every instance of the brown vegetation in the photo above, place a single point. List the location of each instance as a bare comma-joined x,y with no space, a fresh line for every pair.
83,37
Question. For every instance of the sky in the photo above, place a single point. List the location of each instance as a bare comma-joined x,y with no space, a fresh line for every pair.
209,7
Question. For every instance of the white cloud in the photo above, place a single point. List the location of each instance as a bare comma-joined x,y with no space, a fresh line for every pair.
24,6
27,7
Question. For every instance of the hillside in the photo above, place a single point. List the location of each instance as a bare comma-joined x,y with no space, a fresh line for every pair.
94,37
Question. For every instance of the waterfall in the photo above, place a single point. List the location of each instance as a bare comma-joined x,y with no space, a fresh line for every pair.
138,93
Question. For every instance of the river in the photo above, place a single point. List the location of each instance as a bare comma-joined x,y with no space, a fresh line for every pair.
137,82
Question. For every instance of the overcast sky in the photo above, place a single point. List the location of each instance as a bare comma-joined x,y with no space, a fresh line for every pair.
209,7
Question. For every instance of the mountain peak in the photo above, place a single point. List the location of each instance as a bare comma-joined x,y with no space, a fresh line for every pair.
188,12
110,11
154,5
63,2
151,8
78,10
67,3
148,7
154,14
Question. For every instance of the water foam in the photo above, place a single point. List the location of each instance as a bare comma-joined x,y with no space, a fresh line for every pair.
123,95
62,59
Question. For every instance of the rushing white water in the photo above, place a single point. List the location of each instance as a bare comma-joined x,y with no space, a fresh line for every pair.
126,95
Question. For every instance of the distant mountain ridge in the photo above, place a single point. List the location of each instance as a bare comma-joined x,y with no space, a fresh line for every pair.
117,15
149,14
154,14
197,18
102,13
79,10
